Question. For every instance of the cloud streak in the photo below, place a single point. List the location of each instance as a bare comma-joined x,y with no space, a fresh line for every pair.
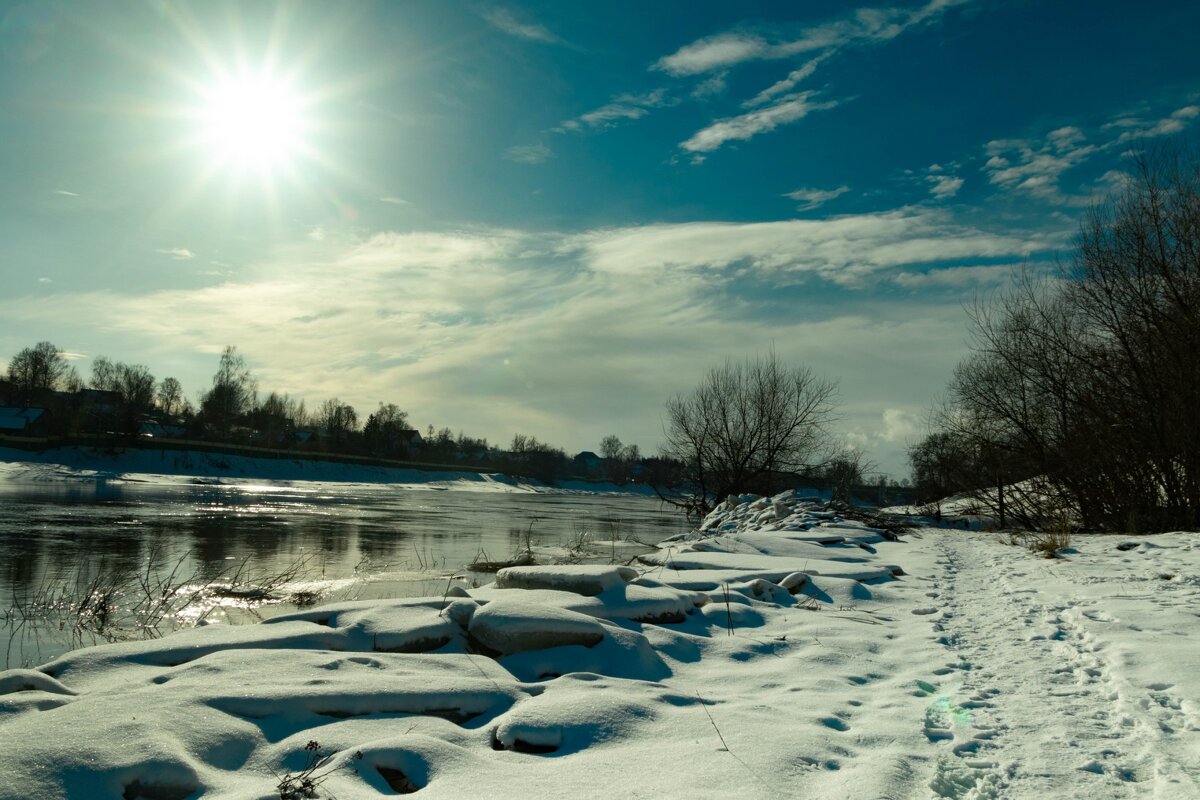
623,108
505,20
863,26
815,198
786,110
528,153
177,253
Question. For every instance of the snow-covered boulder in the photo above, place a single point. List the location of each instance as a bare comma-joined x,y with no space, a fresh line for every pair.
585,579
513,625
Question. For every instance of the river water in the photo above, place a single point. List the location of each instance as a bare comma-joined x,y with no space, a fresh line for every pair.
88,563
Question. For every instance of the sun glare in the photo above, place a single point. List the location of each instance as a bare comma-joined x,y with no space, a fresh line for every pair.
255,123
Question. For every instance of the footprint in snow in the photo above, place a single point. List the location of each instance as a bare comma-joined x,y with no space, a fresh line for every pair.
924,611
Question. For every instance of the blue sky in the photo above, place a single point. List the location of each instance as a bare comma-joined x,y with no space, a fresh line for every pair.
549,217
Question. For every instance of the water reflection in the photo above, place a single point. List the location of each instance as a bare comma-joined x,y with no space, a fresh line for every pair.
61,536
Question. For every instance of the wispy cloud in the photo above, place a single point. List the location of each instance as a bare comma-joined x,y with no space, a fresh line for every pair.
709,87
814,198
44,279
943,185
528,153
787,84
396,201
847,250
65,193
955,277
623,108
178,253
1169,125
1035,167
863,26
506,20
787,109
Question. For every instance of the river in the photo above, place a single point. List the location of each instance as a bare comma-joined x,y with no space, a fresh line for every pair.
85,563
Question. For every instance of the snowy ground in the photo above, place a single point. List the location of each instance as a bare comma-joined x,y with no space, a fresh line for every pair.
782,651
168,467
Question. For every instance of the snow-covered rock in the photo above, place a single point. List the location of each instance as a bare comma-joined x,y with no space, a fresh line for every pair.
585,579
513,625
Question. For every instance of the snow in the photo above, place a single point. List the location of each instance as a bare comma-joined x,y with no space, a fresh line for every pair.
732,663
586,579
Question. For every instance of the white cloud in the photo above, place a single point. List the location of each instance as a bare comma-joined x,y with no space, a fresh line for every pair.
863,26
622,108
505,20
44,279
1172,124
177,253
712,85
814,198
944,186
787,84
715,52
900,425
788,109
396,201
845,250
65,193
955,277
528,153
1035,167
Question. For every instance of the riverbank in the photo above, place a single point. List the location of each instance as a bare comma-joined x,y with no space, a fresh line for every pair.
782,647
166,466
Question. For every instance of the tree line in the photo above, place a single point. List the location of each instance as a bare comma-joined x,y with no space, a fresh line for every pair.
1080,397
126,400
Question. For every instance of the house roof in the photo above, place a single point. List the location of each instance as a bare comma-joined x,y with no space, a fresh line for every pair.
15,418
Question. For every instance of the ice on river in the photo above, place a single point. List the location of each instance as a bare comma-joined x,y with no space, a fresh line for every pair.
782,650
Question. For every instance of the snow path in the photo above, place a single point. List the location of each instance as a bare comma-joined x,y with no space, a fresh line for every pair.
1047,698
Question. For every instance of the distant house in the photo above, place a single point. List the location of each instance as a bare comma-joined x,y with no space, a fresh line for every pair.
100,400
158,430
14,419
99,409
307,439
404,442
587,463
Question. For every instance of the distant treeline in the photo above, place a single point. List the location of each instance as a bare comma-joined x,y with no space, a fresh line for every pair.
43,394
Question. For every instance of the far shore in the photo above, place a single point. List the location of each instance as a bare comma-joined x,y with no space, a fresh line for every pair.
155,462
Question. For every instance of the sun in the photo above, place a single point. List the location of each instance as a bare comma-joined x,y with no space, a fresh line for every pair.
253,122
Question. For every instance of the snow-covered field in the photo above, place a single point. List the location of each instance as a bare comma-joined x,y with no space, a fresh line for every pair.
781,651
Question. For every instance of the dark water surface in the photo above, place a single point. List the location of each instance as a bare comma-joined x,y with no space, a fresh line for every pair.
60,541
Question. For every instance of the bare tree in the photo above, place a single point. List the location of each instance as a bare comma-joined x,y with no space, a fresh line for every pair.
39,368
382,431
136,386
170,396
619,459
845,470
338,420
232,393
745,426
104,374
1081,390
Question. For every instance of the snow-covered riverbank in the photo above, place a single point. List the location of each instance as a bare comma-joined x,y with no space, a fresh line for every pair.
165,467
782,651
